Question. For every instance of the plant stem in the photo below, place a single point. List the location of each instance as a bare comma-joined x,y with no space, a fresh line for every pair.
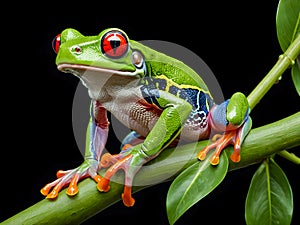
285,61
289,156
259,144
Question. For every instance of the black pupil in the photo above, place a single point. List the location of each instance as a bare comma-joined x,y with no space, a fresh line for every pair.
114,45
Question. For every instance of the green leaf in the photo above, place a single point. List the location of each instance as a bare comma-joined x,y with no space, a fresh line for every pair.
287,22
296,75
270,198
193,184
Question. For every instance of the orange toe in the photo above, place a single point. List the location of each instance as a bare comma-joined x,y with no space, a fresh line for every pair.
45,190
53,194
127,198
97,178
201,155
235,157
103,185
214,160
73,189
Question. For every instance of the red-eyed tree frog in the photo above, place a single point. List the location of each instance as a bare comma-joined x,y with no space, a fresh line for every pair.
158,97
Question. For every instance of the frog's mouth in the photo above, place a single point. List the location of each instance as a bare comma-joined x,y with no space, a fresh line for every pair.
79,70
95,78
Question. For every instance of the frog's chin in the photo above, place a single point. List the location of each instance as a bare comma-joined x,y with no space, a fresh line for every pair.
95,78
79,70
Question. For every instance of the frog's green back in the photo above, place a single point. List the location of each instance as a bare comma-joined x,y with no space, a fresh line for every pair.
161,64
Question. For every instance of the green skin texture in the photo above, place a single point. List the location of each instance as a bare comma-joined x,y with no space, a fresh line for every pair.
176,110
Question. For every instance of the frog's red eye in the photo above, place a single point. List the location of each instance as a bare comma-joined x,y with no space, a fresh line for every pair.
56,43
114,44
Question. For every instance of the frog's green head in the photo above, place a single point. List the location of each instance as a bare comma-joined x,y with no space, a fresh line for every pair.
107,53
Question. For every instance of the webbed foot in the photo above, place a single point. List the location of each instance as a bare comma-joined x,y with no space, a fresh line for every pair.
233,137
71,178
222,142
231,117
130,161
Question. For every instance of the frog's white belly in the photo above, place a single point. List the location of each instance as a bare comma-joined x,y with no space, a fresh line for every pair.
135,113
142,119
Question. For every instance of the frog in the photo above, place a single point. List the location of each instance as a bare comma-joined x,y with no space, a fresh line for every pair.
158,97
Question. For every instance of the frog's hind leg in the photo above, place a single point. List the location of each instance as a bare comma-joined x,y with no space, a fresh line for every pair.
232,118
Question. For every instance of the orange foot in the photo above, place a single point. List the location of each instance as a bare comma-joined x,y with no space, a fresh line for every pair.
130,161
229,137
71,178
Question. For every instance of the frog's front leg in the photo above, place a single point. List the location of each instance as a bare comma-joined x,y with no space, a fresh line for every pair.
97,134
174,113
233,120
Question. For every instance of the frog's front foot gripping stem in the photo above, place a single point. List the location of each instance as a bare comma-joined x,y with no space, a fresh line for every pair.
98,130
130,162
71,178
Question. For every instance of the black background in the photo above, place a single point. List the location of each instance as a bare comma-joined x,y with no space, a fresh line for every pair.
237,41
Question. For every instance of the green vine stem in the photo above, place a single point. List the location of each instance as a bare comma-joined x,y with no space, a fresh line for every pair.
261,143
290,156
285,60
